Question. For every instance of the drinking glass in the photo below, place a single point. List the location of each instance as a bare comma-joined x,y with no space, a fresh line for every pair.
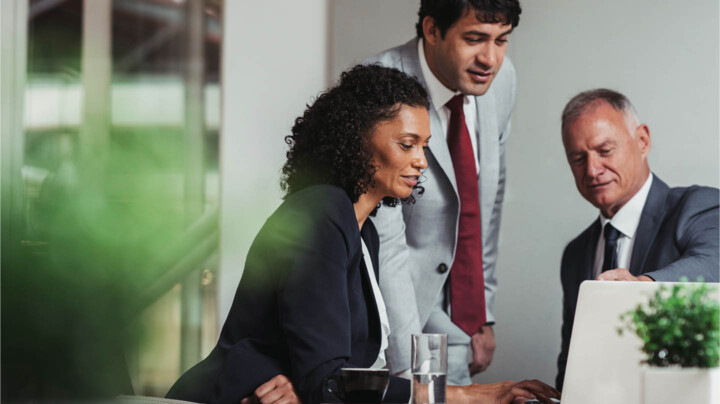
429,368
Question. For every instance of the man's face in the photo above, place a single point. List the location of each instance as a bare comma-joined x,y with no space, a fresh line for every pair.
607,159
469,56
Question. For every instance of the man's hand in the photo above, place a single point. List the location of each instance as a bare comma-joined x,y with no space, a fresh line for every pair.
278,390
622,274
483,347
502,393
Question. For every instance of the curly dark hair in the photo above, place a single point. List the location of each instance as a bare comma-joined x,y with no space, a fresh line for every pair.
330,141
447,12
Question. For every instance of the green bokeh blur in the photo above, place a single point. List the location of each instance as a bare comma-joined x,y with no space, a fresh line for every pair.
97,214
94,238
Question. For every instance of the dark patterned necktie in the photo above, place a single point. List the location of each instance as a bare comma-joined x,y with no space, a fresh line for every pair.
467,283
611,237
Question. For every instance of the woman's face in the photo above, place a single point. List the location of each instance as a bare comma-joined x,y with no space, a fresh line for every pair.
398,149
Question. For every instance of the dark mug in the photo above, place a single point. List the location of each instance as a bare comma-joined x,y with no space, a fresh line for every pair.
356,385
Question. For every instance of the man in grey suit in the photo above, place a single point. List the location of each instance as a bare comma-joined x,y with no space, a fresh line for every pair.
646,231
437,256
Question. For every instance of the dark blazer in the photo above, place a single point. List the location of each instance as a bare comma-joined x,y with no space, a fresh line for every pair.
677,236
304,307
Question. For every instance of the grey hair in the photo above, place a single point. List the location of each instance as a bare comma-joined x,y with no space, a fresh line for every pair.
588,100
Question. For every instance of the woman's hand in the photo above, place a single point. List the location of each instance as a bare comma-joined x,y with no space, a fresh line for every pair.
502,393
277,390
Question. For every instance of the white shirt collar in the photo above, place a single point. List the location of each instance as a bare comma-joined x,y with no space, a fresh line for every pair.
626,219
439,94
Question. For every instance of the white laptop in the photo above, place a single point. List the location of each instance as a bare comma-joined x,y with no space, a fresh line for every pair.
604,367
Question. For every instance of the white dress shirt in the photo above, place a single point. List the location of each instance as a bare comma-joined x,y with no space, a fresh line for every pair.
440,95
384,323
626,220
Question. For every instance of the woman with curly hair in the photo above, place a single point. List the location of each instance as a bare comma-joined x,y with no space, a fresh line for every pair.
308,303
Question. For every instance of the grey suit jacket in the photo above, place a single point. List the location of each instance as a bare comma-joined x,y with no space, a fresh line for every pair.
418,240
677,236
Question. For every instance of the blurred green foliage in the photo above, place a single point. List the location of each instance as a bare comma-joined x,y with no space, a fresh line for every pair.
88,247
678,327
93,227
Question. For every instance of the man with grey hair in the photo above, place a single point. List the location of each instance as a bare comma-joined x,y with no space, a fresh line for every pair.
646,230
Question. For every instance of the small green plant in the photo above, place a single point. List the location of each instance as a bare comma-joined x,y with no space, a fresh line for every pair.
679,326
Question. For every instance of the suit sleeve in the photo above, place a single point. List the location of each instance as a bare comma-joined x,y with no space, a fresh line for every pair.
315,313
396,286
697,236
568,317
313,302
490,259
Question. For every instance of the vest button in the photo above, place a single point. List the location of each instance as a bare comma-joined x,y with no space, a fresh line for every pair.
442,268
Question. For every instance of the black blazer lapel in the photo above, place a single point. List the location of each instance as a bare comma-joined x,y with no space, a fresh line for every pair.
650,221
372,241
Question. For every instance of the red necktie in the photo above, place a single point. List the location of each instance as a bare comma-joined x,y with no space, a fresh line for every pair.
467,283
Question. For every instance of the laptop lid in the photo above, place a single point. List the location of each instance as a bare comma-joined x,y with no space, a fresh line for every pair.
603,366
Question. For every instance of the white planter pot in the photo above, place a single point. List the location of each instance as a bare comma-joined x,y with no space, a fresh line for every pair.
681,385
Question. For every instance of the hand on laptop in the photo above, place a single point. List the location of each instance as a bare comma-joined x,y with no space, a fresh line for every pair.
502,393
622,274
483,347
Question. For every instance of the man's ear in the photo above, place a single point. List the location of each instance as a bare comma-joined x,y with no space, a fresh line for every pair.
431,33
642,137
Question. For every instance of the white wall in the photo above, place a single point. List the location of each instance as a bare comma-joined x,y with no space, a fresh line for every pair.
274,62
662,54
360,29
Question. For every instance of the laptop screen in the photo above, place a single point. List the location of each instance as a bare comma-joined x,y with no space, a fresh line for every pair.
603,366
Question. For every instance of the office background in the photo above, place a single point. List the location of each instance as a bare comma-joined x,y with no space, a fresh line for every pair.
662,54
142,143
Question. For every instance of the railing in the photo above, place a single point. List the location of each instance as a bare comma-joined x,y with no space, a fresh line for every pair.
182,258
